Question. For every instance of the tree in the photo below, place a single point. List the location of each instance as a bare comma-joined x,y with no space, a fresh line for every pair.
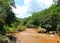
56,2
12,3
54,21
6,15
10,18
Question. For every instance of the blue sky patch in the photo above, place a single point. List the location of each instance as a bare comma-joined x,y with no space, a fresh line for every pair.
25,8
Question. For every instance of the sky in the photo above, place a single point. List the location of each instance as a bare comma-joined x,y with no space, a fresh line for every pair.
25,8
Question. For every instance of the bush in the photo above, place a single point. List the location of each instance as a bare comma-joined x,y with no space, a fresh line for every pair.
20,28
48,27
8,28
31,26
58,29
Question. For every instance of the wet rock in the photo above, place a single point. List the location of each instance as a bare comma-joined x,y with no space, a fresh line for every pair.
4,39
13,39
41,30
52,32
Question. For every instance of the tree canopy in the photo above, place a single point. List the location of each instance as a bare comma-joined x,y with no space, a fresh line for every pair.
7,17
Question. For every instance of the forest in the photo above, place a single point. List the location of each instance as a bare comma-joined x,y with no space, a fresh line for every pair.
48,19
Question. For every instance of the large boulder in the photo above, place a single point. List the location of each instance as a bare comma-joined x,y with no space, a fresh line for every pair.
41,30
4,39
13,39
52,32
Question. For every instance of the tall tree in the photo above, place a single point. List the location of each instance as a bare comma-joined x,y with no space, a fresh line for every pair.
57,2
12,3
6,15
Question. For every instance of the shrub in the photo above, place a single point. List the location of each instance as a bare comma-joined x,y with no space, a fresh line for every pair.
58,29
20,28
8,28
48,27
31,26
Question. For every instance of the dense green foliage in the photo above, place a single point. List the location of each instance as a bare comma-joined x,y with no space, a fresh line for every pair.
7,17
48,19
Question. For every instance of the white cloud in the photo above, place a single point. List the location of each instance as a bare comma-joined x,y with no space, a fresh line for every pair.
46,2
21,11
26,2
30,6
